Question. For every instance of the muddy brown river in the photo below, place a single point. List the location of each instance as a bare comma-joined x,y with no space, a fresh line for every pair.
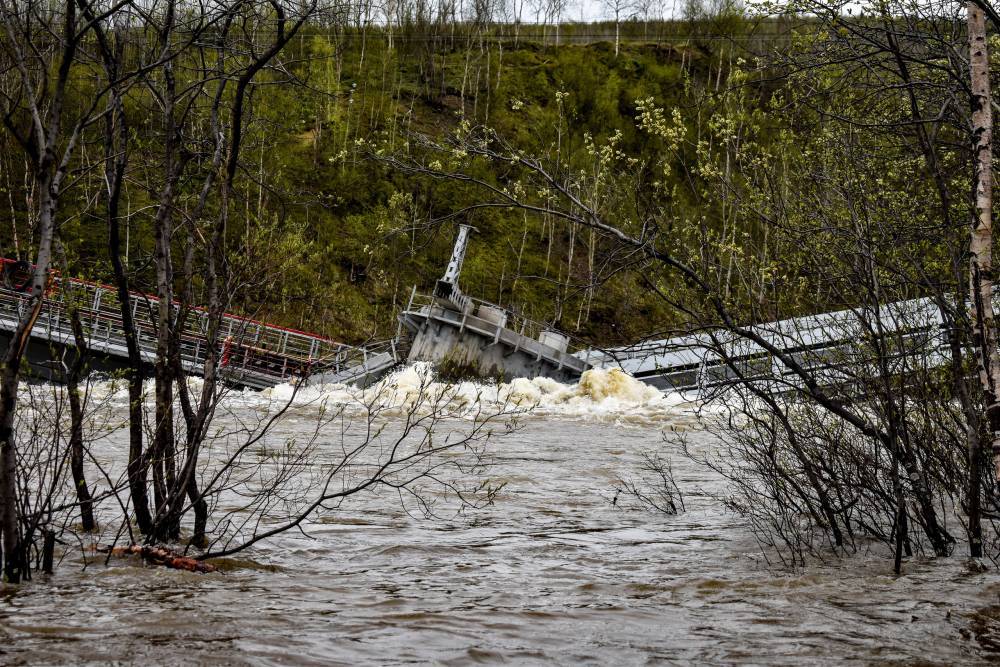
553,573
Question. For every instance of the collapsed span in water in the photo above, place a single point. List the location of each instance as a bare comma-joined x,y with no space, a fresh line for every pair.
467,337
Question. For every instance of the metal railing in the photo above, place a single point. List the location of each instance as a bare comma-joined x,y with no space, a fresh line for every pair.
248,351
510,319
835,348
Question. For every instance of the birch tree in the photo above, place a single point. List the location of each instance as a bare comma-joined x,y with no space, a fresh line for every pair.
981,240
619,9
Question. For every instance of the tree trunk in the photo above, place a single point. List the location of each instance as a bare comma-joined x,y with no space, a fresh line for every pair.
15,558
76,414
981,241
163,437
115,175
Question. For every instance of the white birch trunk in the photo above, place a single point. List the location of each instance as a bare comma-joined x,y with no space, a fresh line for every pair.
981,241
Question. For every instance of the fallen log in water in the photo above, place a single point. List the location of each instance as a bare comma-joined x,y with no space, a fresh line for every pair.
161,556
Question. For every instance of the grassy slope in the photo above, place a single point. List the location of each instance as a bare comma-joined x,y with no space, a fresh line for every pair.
358,261
340,238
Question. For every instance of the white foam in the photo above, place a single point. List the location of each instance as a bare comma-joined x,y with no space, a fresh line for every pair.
605,395
601,394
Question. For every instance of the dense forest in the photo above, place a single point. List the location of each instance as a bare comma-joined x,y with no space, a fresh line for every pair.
339,237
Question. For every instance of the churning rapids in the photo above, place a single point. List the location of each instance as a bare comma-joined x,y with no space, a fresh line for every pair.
553,572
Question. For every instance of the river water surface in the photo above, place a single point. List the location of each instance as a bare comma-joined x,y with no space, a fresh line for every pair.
554,573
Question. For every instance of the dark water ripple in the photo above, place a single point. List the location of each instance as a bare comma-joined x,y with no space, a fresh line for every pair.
552,574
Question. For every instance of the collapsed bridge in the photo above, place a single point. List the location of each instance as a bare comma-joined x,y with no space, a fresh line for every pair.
252,354
845,348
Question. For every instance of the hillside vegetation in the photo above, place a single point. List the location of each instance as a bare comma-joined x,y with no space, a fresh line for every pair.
333,240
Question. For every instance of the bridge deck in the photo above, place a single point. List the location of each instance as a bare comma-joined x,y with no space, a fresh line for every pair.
836,348
491,336
252,353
